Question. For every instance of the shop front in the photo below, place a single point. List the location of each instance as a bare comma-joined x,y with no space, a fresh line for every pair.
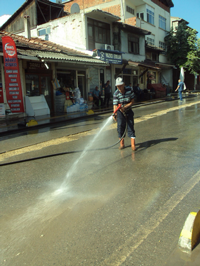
129,75
72,79
38,82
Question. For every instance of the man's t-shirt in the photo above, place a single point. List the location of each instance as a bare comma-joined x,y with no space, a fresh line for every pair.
181,86
96,93
107,88
123,99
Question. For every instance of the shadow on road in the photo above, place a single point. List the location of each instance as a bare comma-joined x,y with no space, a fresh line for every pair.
150,143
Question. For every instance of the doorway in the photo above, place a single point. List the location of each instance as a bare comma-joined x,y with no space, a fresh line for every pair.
38,84
82,83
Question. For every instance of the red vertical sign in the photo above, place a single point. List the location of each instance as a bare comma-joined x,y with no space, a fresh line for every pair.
12,76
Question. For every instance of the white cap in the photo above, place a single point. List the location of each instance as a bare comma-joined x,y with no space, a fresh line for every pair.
119,81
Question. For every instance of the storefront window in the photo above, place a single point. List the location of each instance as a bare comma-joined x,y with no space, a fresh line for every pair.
32,85
38,82
129,76
66,78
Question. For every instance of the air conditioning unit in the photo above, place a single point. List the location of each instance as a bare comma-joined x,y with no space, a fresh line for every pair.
98,45
109,47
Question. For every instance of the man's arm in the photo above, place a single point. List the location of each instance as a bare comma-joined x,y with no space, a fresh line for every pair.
127,105
177,87
114,108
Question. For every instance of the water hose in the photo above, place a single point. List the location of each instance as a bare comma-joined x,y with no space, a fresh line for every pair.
64,153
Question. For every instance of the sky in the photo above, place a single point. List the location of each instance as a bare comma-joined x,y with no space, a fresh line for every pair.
188,10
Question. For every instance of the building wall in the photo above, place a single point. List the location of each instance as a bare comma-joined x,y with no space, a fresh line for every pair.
17,25
167,77
114,7
87,4
69,31
93,78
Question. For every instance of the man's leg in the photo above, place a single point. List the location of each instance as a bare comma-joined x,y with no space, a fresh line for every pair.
130,128
121,126
180,95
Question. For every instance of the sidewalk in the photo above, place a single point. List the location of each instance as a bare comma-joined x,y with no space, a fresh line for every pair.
18,124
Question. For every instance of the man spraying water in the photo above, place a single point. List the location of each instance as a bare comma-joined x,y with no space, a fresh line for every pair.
124,96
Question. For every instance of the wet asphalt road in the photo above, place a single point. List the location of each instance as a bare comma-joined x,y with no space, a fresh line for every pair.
95,206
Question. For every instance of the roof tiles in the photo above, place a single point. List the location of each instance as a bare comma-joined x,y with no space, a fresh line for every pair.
43,45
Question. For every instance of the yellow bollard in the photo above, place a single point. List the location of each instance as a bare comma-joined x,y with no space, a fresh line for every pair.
190,233
32,123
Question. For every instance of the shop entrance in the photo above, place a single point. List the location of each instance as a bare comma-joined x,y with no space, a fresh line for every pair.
37,85
81,84
38,82
73,79
129,76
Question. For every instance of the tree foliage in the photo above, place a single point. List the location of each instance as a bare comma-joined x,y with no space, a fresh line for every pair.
183,48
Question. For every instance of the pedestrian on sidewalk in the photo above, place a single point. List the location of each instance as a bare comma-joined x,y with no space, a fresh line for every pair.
124,96
180,89
97,96
107,93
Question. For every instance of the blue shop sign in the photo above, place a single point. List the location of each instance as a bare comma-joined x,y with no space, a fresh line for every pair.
111,57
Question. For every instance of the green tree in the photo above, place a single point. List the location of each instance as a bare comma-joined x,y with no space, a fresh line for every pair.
183,48
193,56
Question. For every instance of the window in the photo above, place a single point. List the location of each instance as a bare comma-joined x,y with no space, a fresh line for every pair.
162,22
150,15
98,32
140,15
44,31
133,44
130,10
162,45
150,41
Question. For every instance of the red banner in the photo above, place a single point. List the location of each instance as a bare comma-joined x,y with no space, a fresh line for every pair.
12,76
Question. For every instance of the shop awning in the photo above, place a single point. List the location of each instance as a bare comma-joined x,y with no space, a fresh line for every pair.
165,66
27,57
59,57
133,64
154,48
141,64
149,66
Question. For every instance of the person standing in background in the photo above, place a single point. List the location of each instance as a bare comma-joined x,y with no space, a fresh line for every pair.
102,93
107,93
